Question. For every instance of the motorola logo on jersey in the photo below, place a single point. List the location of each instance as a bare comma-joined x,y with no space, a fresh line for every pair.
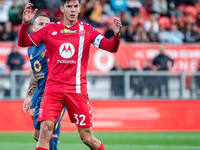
67,50
66,61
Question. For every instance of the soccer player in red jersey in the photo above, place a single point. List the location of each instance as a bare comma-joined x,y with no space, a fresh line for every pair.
67,52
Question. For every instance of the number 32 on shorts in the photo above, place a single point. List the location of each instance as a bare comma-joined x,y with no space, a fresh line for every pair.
80,119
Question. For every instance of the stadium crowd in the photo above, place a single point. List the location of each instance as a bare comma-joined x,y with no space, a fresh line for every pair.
164,21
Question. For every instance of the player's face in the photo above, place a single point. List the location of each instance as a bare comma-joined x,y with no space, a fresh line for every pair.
71,11
40,22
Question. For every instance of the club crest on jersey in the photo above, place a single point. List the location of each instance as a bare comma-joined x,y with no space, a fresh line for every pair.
40,112
67,50
81,33
42,54
67,31
37,66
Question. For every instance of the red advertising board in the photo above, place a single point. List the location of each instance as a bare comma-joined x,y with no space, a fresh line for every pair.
186,56
120,115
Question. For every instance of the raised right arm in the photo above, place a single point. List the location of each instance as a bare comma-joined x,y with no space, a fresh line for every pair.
23,38
28,15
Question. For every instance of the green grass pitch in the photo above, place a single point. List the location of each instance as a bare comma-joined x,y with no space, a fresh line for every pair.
111,140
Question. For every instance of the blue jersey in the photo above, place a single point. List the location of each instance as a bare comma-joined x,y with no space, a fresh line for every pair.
37,58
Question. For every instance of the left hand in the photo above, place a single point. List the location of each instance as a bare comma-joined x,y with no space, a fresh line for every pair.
117,25
27,104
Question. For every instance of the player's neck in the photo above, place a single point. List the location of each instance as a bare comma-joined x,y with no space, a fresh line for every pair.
68,23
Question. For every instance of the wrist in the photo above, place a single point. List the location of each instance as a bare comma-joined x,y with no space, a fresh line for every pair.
117,36
25,23
28,98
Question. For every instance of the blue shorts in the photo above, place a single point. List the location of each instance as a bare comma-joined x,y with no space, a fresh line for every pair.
36,124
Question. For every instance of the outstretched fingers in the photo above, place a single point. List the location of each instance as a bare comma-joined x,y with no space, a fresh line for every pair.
28,13
117,21
29,5
35,11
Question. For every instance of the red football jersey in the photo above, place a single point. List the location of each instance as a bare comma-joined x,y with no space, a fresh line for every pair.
67,54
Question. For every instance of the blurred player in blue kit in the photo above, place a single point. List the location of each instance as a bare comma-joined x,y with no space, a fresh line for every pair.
36,88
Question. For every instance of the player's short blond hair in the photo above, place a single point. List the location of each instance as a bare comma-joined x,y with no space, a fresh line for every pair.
42,15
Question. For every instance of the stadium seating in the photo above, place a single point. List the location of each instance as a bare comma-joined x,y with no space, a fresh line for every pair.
165,21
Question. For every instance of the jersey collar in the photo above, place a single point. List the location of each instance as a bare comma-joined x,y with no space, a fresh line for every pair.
75,26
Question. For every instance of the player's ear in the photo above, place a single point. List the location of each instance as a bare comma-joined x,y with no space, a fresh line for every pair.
79,9
33,28
62,9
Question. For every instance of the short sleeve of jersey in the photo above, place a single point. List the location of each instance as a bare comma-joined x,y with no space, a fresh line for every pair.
96,36
39,36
